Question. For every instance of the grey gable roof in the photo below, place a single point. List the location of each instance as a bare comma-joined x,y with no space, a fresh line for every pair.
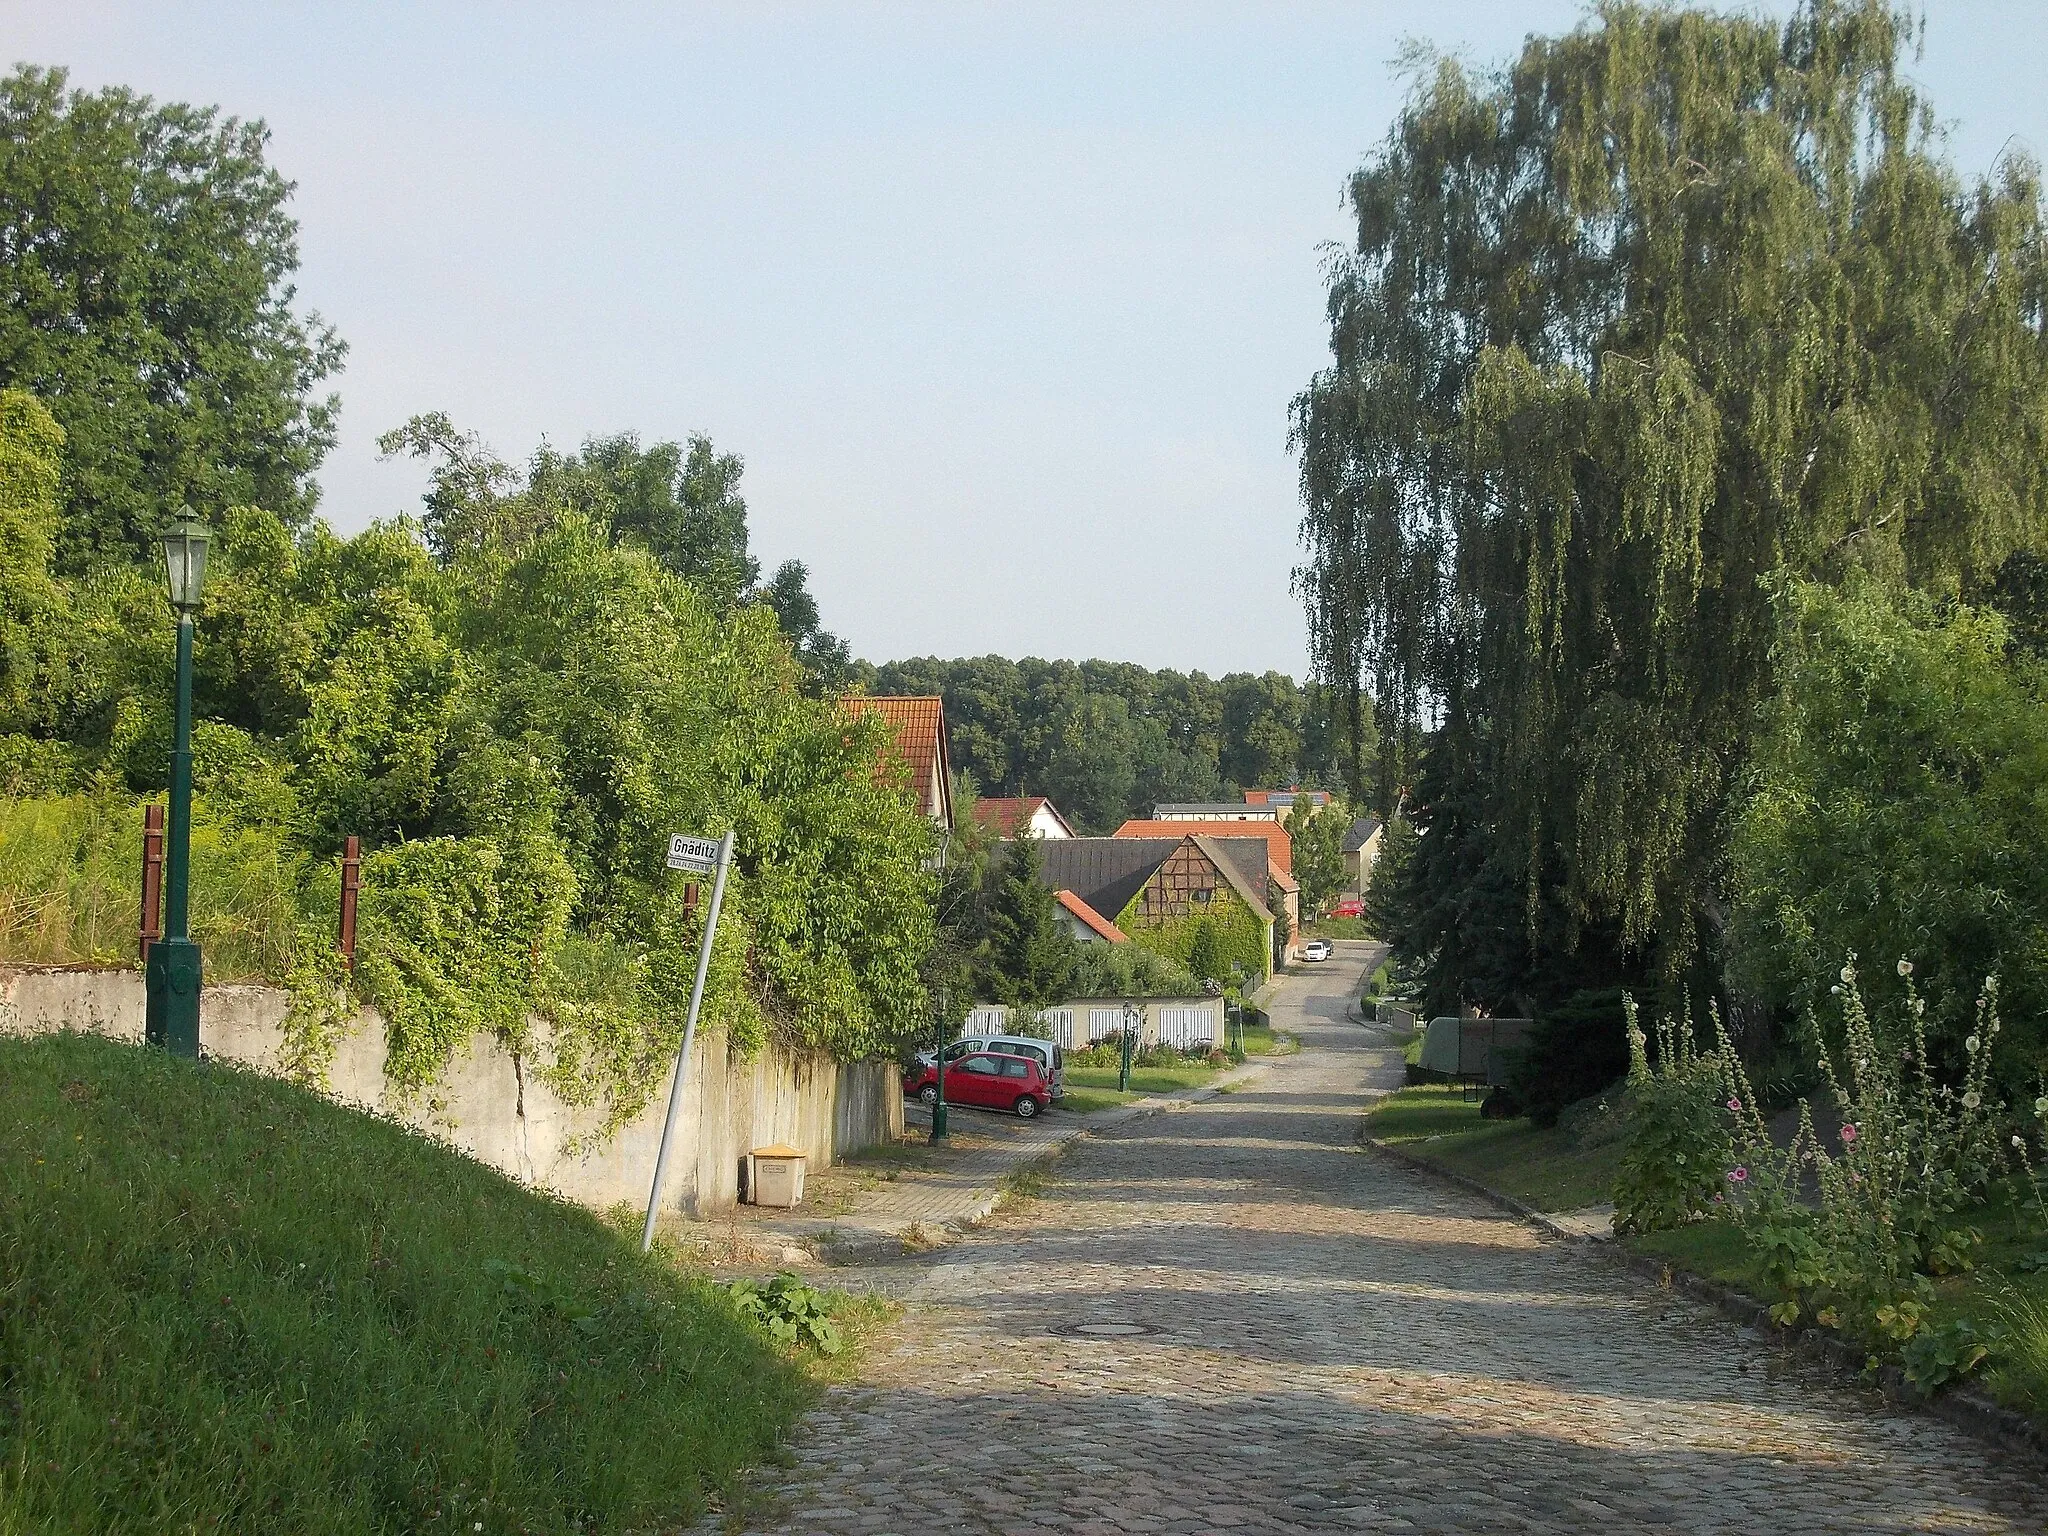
1242,861
1360,833
1105,872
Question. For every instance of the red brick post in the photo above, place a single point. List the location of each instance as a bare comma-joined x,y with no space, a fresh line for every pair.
152,928
351,882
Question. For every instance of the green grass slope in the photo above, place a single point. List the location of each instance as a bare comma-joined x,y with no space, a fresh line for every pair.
228,1304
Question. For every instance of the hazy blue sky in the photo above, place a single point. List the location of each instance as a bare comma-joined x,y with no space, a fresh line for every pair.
1003,306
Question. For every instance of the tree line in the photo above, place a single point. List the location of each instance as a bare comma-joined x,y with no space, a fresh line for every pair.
1109,740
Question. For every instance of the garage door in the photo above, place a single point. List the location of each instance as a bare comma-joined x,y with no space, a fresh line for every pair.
1186,1026
1105,1021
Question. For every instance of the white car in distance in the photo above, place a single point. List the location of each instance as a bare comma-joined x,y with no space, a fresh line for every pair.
1316,949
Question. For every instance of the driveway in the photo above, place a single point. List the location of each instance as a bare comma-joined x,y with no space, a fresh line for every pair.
1232,1319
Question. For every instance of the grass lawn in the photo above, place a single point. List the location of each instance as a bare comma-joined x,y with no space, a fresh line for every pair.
1094,1088
1544,1169
1263,1040
227,1303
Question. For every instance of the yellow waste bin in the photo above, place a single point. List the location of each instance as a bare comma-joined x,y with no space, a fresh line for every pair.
778,1177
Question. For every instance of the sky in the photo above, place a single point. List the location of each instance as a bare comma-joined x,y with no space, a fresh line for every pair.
1003,306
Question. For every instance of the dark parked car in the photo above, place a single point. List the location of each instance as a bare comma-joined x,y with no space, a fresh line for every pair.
986,1081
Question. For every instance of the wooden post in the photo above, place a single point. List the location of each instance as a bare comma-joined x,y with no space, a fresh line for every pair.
152,928
351,882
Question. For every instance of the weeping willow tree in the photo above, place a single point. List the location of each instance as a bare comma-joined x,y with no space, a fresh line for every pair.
1668,306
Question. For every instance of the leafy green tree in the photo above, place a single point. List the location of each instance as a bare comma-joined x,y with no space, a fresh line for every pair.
1031,957
1319,854
1897,813
681,507
146,299
1667,305
32,603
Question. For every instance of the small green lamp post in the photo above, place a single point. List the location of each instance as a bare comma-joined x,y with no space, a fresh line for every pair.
172,974
1132,1017
939,1069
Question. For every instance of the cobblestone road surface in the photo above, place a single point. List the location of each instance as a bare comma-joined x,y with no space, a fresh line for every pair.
1333,1343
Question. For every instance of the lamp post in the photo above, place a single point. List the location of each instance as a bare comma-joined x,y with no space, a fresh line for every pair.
172,974
939,1056
1132,1016
937,865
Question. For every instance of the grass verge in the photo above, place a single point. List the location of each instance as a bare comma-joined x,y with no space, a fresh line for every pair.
2002,1292
227,1303
1546,1169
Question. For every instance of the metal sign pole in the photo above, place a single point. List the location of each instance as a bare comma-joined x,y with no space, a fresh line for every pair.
675,1092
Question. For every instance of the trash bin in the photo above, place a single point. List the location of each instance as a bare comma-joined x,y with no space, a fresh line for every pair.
778,1177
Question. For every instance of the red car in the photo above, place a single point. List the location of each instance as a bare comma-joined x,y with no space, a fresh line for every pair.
985,1080
1352,907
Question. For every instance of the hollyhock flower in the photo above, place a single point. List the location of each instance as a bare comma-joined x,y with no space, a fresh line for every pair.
1735,1106
1848,1133
1972,1045
1737,1175
1970,1099
1905,967
1848,974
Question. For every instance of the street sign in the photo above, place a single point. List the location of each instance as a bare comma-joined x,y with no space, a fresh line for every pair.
699,855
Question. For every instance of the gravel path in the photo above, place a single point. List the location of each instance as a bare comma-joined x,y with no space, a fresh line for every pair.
1332,1343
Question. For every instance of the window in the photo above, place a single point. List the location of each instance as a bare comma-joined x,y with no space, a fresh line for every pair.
1202,897
981,1064
1016,1066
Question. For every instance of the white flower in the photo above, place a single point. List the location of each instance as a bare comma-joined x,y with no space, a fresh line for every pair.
1836,990
1970,1099
1905,969
2020,1142
1969,1045
1919,1008
2041,1107
1848,974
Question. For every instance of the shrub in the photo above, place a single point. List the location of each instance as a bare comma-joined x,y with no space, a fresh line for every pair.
1574,1050
1675,1151
1911,1154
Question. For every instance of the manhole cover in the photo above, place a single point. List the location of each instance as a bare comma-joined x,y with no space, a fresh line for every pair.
1108,1330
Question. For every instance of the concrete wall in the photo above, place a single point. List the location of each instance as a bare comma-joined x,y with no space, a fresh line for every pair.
490,1103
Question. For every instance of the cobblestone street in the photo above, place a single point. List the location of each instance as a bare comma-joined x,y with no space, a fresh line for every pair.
1231,1319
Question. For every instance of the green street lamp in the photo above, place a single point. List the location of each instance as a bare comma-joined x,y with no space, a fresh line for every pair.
939,1070
1132,1018
172,973
936,864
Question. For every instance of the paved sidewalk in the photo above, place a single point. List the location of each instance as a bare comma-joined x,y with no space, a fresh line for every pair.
1235,1318
914,1196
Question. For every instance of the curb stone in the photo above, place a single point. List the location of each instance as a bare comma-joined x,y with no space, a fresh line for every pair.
1967,1408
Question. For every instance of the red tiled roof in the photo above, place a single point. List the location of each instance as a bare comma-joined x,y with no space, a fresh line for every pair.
1279,846
1004,816
920,727
1281,878
1090,916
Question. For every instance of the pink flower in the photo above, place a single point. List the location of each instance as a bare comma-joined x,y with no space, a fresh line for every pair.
1848,1133
1737,1175
1735,1106
1717,1199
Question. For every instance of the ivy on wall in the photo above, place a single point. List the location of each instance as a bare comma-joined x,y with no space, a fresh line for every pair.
1208,943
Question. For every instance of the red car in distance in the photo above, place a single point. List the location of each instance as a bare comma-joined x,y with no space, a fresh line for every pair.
986,1081
1351,906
